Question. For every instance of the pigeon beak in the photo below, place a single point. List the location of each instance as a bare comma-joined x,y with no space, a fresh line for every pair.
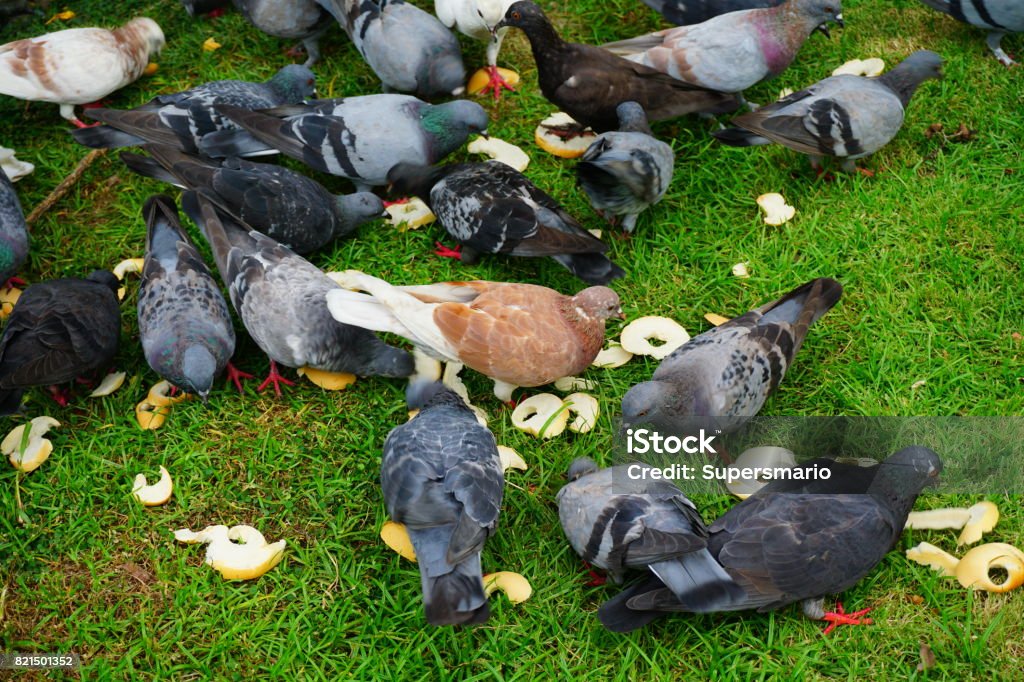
824,30
500,24
384,214
483,134
839,21
621,315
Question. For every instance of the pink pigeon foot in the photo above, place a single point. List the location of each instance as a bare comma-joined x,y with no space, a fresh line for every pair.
841,617
497,83
61,396
274,378
14,282
444,252
236,376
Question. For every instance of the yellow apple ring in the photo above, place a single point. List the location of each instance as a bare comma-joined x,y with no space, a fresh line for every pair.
636,336
160,395
410,214
499,150
553,144
586,409
156,494
612,356
250,557
543,415
574,384
516,587
150,417
974,570
109,384
129,265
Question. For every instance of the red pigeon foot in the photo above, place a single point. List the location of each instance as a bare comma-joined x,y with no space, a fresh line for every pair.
444,252
14,282
596,579
275,378
213,14
396,202
866,173
85,381
236,376
841,617
497,83
295,51
78,123
61,396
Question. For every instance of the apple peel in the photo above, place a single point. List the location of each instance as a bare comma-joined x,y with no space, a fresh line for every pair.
500,150
37,449
156,494
973,571
973,521
396,537
515,586
246,561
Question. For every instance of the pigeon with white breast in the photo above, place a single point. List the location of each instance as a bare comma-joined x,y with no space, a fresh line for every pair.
478,19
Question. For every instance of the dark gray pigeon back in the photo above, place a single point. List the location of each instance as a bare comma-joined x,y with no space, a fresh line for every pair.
442,478
686,12
184,322
13,230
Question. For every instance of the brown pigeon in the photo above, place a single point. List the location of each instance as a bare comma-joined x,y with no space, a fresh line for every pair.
516,334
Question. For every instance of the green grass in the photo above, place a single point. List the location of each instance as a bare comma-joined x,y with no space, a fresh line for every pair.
929,252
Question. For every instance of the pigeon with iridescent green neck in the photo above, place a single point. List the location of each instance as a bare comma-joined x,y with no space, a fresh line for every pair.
13,231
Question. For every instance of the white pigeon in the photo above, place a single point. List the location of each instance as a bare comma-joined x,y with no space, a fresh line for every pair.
78,65
477,19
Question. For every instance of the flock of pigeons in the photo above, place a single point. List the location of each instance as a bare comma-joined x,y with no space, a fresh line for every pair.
441,472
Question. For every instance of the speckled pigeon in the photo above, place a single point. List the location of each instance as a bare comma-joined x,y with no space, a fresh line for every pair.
13,232
516,334
618,519
490,207
588,83
998,16
280,297
729,371
686,12
304,20
731,52
409,49
442,478
477,19
783,548
626,171
58,330
184,322
848,117
359,138
182,119
282,204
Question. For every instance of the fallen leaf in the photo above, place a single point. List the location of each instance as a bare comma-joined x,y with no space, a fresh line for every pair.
209,45
916,599
66,15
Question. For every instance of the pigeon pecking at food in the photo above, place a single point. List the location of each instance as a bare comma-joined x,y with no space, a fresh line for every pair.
184,322
13,233
490,207
998,16
588,82
282,204
183,119
728,372
59,330
625,171
78,65
788,547
516,334
280,297
847,117
478,19
442,478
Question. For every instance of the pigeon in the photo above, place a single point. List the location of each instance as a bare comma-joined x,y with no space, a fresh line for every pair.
359,138
998,16
13,233
731,52
729,371
280,297
409,49
686,12
626,171
284,205
57,331
516,334
304,20
783,548
78,65
184,322
619,519
848,117
588,82
442,478
490,207
183,119
477,19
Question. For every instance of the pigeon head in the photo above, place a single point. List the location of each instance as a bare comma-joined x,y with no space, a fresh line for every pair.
142,31
600,302
294,83
902,476
414,178
423,394
632,118
673,407
449,125
199,369
819,13
906,76
105,277
527,16
580,467
355,209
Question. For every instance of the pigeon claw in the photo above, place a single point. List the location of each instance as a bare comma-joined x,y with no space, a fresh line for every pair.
77,122
866,173
13,282
596,579
236,376
276,379
61,396
496,84
444,252
295,51
841,617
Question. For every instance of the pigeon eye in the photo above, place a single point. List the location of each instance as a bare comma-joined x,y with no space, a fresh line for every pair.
515,16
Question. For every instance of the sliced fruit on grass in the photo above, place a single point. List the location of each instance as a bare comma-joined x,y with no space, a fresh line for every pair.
612,356
974,521
481,78
109,384
562,136
636,336
499,150
238,553
125,267
574,384
544,415
156,494
776,210
974,570
516,587
410,214
329,381
871,67
26,448
510,459
395,536
586,409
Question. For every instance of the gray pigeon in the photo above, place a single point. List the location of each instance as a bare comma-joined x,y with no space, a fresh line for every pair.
732,52
624,172
281,298
409,49
13,233
686,12
998,16
304,20
847,117
182,119
282,204
442,478
184,322
729,371
359,138
58,331
619,519
783,548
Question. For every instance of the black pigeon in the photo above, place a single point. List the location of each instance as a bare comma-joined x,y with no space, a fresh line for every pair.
442,478
58,330
182,119
281,298
490,207
282,204
13,231
788,547
686,12
589,82
184,322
